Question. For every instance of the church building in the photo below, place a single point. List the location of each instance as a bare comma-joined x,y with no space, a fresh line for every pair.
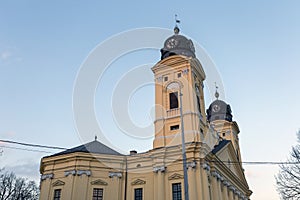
195,154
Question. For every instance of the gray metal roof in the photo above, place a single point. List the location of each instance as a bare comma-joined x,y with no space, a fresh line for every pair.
220,146
91,147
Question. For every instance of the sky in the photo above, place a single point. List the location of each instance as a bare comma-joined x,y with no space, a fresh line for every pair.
255,46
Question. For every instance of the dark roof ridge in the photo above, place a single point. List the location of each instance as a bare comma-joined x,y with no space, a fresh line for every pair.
219,146
90,147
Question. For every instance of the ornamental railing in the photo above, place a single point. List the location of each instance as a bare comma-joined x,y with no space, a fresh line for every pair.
173,112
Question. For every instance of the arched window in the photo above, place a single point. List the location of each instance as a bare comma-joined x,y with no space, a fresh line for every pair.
198,98
172,89
173,100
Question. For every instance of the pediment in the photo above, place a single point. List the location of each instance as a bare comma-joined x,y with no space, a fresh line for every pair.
58,183
229,157
138,182
175,176
99,182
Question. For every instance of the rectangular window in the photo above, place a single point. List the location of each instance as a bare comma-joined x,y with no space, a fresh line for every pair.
165,79
97,194
138,194
175,127
173,97
198,104
179,75
176,191
57,194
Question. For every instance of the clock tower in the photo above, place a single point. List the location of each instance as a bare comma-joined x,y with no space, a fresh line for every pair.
219,115
178,72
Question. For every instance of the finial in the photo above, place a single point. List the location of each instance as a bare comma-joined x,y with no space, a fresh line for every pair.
176,29
216,93
95,137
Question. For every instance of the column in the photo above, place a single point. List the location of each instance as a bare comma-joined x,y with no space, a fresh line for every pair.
215,184
160,195
215,192
204,169
219,188
155,187
116,182
192,181
231,193
225,191
199,183
161,186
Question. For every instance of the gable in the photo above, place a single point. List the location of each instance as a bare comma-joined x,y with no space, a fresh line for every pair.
227,155
99,182
175,176
58,183
138,182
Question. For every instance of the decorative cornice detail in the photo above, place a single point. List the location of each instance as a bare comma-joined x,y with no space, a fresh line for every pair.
159,169
45,176
216,175
191,165
159,79
80,172
138,182
72,172
175,176
206,167
232,188
115,174
58,183
185,71
99,182
228,184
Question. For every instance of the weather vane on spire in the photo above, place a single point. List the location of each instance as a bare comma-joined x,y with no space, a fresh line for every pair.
177,21
217,93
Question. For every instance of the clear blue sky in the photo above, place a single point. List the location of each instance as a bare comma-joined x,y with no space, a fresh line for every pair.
255,46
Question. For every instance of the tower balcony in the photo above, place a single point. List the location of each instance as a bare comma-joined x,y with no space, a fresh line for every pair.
173,112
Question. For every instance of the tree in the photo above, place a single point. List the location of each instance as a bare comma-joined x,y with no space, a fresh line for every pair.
17,188
288,178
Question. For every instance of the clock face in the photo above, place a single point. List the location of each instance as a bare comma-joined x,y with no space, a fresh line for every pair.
216,108
172,43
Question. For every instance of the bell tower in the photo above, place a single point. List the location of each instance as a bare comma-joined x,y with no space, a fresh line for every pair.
178,72
219,115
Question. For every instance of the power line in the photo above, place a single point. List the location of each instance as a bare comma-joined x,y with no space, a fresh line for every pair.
25,149
231,162
142,156
32,145
256,162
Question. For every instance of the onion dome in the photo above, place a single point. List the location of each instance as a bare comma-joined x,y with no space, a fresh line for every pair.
219,110
177,45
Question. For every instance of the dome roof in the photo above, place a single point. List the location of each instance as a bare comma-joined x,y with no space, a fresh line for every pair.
178,45
219,110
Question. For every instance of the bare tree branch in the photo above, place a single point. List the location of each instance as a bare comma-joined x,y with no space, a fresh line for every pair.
288,179
15,188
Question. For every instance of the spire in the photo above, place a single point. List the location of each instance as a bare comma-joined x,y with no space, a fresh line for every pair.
95,137
217,93
176,29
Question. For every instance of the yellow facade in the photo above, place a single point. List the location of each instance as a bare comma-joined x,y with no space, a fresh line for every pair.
77,174
191,75
212,149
